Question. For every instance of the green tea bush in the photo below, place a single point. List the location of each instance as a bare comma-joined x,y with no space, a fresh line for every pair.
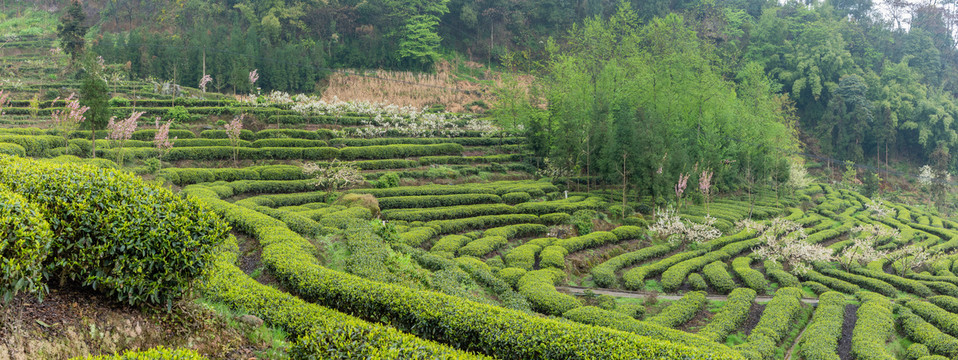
871,284
271,142
717,275
681,311
429,201
912,286
516,198
399,151
697,282
156,353
816,287
448,245
553,257
604,273
480,222
821,337
483,246
117,216
874,326
12,149
831,283
941,318
25,239
916,351
732,315
448,212
623,322
555,218
517,230
539,288
390,180
777,318
914,327
751,277
634,278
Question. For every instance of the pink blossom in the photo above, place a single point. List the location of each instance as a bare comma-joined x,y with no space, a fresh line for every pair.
205,80
4,99
69,118
123,130
233,131
705,182
253,76
680,186
162,140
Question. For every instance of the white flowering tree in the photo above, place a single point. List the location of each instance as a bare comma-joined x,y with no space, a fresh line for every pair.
785,244
334,175
670,227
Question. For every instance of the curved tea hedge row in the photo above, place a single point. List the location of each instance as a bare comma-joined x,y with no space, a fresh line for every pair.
604,273
732,315
773,326
820,341
874,326
681,311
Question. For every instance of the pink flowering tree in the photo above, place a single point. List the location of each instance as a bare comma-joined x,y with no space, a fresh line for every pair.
705,186
69,118
162,141
4,100
233,130
204,81
253,76
121,131
680,188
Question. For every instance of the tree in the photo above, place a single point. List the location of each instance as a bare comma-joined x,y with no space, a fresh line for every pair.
334,175
71,30
233,130
68,119
94,94
121,131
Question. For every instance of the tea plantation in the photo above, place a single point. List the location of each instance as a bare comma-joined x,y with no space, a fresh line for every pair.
451,247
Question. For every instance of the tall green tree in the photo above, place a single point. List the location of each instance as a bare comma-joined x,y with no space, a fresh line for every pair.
71,30
94,93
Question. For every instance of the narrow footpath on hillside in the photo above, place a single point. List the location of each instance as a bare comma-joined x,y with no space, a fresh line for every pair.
663,296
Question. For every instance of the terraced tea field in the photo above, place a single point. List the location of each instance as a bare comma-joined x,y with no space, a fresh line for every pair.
452,247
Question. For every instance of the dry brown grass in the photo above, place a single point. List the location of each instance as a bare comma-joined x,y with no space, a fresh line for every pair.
415,89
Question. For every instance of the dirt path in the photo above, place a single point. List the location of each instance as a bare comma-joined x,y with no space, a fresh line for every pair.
788,355
642,294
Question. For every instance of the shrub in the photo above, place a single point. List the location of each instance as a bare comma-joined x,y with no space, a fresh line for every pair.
12,149
512,275
875,285
831,283
922,332
941,318
539,288
821,337
516,198
118,216
157,353
417,236
399,151
718,276
447,213
25,239
555,218
774,324
553,257
697,282
429,201
732,315
875,324
681,311
483,246
751,277
635,277
816,287
615,320
390,180
604,273
632,310
448,245
916,351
